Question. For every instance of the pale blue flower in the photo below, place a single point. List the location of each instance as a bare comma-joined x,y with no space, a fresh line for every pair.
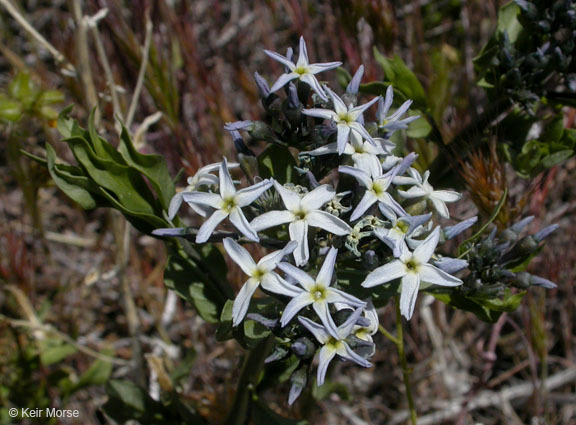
376,192
363,153
203,177
227,204
422,189
346,118
301,212
392,122
334,343
302,70
412,268
260,274
316,292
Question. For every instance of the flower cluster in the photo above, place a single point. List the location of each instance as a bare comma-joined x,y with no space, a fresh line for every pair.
372,227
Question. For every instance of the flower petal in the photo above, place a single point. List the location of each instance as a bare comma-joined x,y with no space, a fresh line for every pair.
324,150
316,68
249,194
278,57
290,198
446,195
360,175
298,231
210,199
318,197
294,306
337,296
283,80
300,276
384,104
326,355
425,250
317,330
409,292
328,222
239,221
339,105
302,54
431,274
385,273
242,301
359,128
321,309
240,256
366,202
227,189
209,225
270,261
440,208
326,114
343,136
356,358
271,219
324,276
175,204
313,82
359,110
413,192
274,283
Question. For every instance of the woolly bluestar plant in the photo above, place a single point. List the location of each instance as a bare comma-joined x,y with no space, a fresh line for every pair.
352,222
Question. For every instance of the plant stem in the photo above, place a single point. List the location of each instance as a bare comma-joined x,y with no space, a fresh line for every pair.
249,375
404,364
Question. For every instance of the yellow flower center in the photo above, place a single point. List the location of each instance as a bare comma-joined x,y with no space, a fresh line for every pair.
377,188
228,204
318,293
402,226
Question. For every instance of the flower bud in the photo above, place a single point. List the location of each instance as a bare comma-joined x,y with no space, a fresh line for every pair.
303,347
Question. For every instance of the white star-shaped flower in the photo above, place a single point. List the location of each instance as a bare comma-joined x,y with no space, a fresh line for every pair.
302,70
346,118
201,178
363,153
400,230
227,204
412,268
260,274
334,344
301,212
393,122
317,292
376,192
423,189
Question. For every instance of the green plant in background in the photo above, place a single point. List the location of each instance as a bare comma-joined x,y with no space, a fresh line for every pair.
22,103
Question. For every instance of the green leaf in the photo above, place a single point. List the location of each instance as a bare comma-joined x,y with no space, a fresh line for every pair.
126,401
73,182
552,131
402,79
10,110
556,158
419,128
276,161
54,350
508,303
97,374
22,87
508,21
458,301
125,183
50,97
154,167
184,276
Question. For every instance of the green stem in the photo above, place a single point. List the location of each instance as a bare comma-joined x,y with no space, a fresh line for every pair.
249,375
404,364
